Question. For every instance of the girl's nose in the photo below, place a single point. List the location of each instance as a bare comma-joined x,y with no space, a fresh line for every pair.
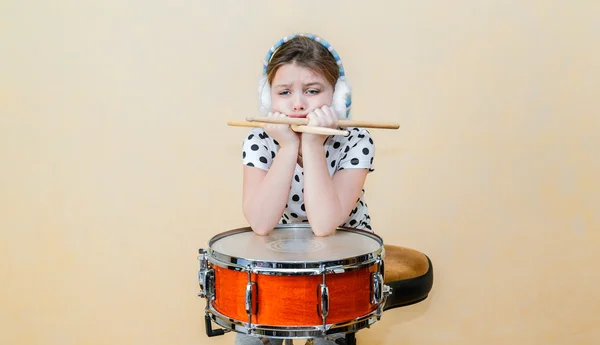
299,104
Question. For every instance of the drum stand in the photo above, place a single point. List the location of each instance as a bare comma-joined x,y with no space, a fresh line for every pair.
350,339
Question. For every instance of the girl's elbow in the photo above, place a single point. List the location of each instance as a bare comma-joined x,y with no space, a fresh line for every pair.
259,226
254,222
261,230
323,230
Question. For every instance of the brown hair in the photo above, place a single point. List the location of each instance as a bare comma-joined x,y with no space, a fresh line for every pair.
308,53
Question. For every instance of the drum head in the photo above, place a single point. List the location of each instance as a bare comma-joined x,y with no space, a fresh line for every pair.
294,246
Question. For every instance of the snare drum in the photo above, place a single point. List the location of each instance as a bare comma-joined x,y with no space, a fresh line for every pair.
293,284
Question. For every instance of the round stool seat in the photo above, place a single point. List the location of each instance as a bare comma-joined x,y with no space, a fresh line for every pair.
410,275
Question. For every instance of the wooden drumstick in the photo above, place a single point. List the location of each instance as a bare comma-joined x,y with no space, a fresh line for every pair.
295,128
341,123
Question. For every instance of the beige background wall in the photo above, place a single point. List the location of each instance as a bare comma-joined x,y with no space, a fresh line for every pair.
117,164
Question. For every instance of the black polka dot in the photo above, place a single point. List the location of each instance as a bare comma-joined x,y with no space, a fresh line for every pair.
265,146
327,154
275,141
344,157
352,222
294,215
272,154
371,141
302,208
350,137
254,147
265,135
347,149
263,160
333,163
361,136
295,197
305,221
244,154
336,145
365,151
354,161
297,178
250,164
355,129
284,221
250,136
371,160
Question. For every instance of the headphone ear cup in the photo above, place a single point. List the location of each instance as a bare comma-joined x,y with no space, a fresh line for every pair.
342,98
264,95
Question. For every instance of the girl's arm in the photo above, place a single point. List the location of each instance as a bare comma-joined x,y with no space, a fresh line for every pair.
268,176
265,193
328,199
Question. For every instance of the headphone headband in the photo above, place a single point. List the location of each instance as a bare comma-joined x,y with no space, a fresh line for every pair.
324,43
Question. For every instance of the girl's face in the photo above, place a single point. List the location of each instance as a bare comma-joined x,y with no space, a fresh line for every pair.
296,91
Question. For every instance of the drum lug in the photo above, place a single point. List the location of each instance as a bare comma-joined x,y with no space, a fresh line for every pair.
376,288
379,291
206,276
324,293
251,302
251,299
387,290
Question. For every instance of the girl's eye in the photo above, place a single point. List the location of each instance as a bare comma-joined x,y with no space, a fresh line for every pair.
313,91
284,93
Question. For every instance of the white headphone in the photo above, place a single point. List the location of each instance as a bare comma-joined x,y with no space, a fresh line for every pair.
342,95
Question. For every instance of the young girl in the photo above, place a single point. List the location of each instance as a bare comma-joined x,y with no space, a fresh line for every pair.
291,177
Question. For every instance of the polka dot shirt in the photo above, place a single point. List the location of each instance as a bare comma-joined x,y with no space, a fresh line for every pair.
353,152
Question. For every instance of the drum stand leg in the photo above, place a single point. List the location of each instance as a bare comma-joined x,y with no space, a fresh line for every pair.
350,339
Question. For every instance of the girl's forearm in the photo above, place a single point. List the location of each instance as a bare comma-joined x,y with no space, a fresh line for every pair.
264,202
323,207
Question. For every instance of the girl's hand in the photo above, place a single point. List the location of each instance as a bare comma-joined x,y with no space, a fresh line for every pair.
320,117
283,134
